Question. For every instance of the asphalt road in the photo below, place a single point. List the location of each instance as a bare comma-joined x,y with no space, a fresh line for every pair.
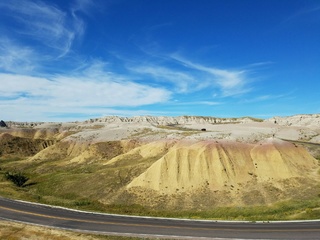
159,227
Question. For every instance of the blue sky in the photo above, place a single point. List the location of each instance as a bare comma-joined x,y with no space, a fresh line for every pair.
79,59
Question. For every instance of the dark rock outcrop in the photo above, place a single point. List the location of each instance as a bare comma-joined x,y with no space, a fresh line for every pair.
3,124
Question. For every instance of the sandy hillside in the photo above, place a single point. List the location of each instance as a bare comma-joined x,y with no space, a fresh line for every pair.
211,164
243,173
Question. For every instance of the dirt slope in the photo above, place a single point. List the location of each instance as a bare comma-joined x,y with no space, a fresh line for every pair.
228,168
14,146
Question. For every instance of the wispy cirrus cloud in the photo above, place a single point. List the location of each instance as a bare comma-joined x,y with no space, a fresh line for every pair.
185,76
268,97
83,6
229,82
310,11
41,36
209,103
180,80
16,58
43,23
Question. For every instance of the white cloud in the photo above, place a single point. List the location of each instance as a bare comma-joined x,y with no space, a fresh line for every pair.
230,82
72,94
82,6
209,103
44,23
64,91
15,58
181,80
191,77
268,97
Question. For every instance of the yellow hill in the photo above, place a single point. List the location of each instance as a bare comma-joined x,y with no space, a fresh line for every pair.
230,169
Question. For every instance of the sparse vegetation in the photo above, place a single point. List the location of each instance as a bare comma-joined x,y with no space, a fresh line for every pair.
15,231
178,128
143,132
95,126
72,185
17,178
255,119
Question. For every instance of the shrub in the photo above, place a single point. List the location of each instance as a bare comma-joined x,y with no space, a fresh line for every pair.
17,178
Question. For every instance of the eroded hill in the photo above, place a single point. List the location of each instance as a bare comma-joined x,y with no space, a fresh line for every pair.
218,173
163,163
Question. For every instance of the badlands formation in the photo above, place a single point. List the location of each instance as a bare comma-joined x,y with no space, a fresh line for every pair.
174,162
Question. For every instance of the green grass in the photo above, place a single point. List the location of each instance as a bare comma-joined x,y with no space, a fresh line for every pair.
287,210
53,191
72,185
